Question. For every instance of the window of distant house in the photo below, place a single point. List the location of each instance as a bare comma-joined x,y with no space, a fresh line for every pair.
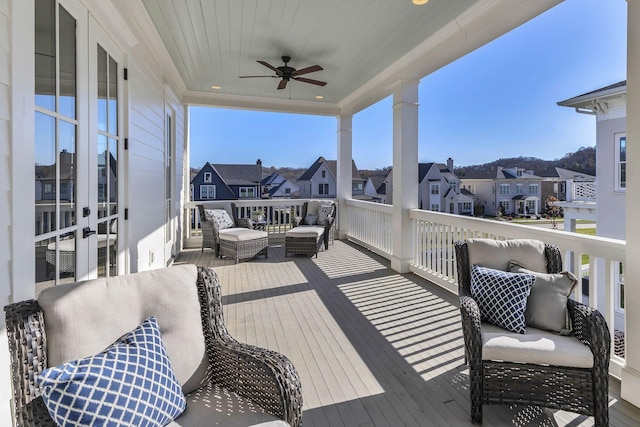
435,207
533,188
324,174
518,188
453,186
504,206
207,192
493,189
207,177
518,172
435,189
323,188
531,206
356,186
504,189
247,192
466,206
287,191
621,161
563,187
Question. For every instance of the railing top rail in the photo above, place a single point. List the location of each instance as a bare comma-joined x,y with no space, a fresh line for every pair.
370,205
593,245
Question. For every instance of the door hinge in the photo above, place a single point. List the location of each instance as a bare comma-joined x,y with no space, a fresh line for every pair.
126,213
126,143
126,74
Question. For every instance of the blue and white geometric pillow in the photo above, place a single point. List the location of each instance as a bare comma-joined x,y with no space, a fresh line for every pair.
130,383
501,296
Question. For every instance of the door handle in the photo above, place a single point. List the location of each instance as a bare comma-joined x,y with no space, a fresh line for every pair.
86,232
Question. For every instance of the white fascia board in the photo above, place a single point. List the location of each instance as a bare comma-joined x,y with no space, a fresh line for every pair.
587,100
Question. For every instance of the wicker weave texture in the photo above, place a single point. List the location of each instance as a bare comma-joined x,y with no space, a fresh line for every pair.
584,391
265,377
302,245
243,250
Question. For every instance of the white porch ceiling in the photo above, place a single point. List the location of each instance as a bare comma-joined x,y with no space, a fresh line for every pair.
364,46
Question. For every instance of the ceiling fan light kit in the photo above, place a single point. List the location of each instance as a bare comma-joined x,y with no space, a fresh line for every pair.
286,73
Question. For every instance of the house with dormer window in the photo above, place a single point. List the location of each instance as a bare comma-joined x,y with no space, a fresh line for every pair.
227,182
319,181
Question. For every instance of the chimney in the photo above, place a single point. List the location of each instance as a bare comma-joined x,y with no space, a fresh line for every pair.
450,164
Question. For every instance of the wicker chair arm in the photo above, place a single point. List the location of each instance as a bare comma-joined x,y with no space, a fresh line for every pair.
471,328
265,377
244,223
27,348
590,327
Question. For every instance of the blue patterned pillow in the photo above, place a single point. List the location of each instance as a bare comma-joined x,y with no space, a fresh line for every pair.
501,296
130,383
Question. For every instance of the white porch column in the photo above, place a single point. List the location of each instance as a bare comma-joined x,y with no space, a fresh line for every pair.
630,390
405,171
345,174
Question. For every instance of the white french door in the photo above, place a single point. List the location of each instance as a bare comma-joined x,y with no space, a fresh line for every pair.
77,138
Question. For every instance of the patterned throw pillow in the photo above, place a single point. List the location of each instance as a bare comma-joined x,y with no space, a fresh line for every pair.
324,215
310,219
501,296
131,383
219,217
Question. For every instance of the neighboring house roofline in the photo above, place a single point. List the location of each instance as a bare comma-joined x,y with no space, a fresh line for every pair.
587,100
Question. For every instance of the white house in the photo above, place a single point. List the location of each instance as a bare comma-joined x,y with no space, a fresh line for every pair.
609,106
319,181
376,188
285,188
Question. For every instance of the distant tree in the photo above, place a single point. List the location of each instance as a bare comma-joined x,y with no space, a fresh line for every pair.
552,210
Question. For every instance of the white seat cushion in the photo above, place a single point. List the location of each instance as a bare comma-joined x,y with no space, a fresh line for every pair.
536,347
306,231
238,234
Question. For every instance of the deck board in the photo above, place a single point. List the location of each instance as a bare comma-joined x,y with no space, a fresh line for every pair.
373,347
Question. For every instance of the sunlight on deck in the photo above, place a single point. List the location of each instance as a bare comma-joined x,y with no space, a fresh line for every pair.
420,325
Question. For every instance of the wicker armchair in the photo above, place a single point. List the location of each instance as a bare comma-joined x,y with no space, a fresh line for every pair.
580,390
210,237
265,378
307,240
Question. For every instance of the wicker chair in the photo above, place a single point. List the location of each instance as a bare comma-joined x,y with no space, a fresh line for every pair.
580,390
265,378
226,242
309,243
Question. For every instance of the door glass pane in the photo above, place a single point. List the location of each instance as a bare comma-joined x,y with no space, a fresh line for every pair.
107,248
102,89
45,173
45,54
52,257
68,170
113,97
103,173
67,101
113,176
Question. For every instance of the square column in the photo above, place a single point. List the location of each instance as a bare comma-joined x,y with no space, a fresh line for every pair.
405,171
630,385
344,172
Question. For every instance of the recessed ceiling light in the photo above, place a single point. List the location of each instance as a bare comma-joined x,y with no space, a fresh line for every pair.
420,2
319,97
216,87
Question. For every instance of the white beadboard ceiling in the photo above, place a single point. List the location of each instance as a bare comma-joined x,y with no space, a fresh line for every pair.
360,44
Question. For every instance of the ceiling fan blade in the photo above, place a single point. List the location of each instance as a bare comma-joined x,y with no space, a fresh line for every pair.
282,84
311,69
251,77
313,82
271,67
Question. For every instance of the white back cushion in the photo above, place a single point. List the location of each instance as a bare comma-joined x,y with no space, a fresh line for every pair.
497,253
82,319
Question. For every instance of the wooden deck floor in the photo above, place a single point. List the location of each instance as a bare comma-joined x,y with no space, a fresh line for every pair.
373,347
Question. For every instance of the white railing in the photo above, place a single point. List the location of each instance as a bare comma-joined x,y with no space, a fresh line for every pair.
434,257
581,191
371,225
278,216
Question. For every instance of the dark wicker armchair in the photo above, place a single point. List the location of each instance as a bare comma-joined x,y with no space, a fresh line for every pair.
579,390
297,241
264,377
210,237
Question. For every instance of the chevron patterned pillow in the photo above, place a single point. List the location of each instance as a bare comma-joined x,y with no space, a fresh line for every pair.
501,296
130,383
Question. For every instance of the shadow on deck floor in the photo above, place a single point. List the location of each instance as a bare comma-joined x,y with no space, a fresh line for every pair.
373,347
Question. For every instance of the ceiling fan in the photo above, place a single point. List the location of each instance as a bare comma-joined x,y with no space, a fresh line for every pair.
287,73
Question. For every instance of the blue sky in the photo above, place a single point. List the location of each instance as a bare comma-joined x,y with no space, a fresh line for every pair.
496,102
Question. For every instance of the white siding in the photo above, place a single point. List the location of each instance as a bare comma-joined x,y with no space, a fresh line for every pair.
611,220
